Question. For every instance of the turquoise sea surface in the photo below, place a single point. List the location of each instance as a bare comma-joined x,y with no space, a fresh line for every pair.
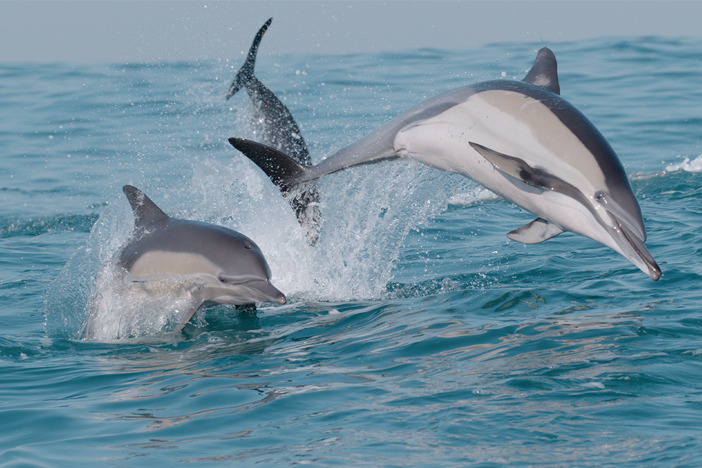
415,333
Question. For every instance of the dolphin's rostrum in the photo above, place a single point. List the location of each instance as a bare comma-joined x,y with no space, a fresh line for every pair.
519,139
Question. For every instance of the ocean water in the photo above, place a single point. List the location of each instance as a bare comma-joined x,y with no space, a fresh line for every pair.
415,333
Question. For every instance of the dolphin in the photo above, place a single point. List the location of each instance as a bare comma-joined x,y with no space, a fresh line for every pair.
227,266
279,130
519,139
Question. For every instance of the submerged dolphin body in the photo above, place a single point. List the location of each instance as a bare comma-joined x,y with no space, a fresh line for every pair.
520,140
279,130
225,266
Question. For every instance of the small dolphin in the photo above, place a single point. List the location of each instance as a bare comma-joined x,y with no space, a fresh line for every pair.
279,130
520,140
228,267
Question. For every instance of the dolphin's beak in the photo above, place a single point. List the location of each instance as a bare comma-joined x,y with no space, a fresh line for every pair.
632,247
268,292
245,289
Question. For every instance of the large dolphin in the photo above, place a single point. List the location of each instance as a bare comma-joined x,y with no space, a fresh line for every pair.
227,266
519,139
279,130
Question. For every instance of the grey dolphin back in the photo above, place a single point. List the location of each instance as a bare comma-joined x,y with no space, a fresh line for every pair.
145,211
280,131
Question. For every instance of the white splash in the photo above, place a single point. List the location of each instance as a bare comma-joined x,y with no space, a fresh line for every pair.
367,214
121,308
477,195
686,165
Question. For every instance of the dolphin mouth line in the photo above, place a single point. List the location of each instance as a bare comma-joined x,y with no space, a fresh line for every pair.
239,280
543,180
235,300
653,270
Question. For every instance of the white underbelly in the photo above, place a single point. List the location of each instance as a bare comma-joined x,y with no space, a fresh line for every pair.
443,142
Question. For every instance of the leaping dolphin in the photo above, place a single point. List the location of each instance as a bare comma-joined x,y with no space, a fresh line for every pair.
519,139
279,130
227,266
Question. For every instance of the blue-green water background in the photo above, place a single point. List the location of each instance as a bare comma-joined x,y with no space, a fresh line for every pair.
415,334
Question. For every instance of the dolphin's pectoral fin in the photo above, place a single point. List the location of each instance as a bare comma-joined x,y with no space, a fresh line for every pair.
513,167
187,316
520,170
536,231
544,72
184,320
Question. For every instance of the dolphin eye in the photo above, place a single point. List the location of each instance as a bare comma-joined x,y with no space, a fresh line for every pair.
248,246
600,197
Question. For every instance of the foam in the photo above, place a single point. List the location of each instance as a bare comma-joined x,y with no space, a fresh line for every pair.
687,165
477,195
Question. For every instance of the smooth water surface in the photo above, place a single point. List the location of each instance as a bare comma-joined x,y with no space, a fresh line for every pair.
416,333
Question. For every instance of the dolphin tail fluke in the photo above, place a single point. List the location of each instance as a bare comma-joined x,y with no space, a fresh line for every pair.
285,172
246,73
278,166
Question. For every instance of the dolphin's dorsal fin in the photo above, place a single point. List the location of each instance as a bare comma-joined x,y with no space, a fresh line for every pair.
145,211
246,73
536,231
544,72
